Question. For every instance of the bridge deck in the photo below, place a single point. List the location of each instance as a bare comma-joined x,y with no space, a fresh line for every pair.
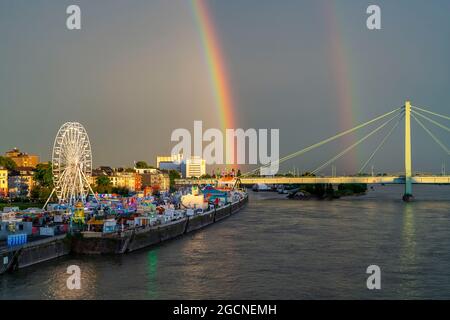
325,180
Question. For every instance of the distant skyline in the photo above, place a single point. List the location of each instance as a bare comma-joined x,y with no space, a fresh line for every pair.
137,70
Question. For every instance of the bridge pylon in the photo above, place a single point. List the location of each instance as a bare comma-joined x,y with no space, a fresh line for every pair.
408,165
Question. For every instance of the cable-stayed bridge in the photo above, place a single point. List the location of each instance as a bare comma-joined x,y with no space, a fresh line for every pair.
391,120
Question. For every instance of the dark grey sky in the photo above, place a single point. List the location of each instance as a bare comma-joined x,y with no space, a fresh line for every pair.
136,71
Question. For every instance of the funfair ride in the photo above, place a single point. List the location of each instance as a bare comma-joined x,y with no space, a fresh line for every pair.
71,164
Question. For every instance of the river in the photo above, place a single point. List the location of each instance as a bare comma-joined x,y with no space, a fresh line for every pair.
275,249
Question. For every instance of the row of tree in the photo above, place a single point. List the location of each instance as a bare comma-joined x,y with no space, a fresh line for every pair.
43,178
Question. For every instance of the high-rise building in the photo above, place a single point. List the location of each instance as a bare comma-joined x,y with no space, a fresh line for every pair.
172,162
22,159
3,182
194,167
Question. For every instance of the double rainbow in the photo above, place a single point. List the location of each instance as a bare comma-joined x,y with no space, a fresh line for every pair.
340,67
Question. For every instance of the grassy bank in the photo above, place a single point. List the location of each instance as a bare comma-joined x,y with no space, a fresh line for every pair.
22,205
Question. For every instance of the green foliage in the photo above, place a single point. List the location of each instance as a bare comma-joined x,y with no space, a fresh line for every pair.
124,192
206,176
40,193
313,189
23,204
173,174
103,181
355,188
34,193
43,175
7,163
143,165
319,190
103,184
329,191
326,191
289,175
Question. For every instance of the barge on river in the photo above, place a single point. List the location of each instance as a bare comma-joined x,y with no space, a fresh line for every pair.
118,242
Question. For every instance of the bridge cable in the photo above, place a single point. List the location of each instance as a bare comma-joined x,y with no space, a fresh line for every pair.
433,113
380,145
432,121
314,146
354,145
446,150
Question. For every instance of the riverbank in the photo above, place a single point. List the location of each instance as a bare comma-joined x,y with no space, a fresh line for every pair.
97,243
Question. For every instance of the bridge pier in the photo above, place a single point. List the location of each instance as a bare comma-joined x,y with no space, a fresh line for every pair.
408,166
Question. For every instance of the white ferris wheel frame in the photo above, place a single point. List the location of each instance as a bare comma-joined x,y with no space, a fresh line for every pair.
71,164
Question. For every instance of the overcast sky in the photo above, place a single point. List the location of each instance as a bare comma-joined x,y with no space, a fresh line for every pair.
136,71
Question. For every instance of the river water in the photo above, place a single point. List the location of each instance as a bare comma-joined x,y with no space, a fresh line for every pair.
275,249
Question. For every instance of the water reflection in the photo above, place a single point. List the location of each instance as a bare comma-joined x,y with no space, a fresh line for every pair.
202,263
56,286
408,251
274,249
152,260
194,265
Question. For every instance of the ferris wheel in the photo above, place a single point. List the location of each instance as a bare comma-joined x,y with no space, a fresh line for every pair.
71,163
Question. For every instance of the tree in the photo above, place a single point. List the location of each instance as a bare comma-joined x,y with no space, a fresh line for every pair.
122,191
289,175
173,174
43,175
357,188
7,163
103,181
34,193
142,165
103,184
40,193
